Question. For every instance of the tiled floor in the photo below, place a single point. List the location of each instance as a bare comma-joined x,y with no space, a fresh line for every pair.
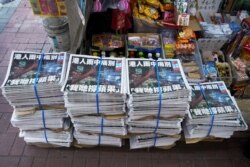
25,32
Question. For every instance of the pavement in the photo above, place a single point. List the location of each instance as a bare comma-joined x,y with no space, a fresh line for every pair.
24,31
6,11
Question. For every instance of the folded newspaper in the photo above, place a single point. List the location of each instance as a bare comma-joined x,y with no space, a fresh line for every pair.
158,101
213,112
94,94
32,86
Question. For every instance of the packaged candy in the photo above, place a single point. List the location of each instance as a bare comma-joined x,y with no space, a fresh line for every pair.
169,44
186,33
246,50
182,6
141,16
168,7
149,11
194,75
167,1
168,16
185,48
118,20
153,3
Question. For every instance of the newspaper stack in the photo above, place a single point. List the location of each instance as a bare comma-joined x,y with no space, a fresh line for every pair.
158,100
94,93
32,86
213,113
31,120
63,138
18,87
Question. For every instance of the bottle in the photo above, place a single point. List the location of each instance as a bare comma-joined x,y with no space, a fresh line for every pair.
158,55
112,54
95,54
140,55
150,55
103,54
131,54
120,54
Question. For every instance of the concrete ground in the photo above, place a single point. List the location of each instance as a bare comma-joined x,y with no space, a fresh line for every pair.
23,31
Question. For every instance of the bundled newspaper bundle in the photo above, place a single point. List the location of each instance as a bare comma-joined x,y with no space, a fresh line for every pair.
158,100
94,93
213,113
32,86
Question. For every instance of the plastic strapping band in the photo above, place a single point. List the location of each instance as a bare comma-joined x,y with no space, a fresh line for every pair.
97,87
97,98
160,101
81,4
100,135
37,96
210,110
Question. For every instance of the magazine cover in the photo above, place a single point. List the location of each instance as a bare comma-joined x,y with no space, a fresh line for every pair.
23,67
142,78
82,74
217,98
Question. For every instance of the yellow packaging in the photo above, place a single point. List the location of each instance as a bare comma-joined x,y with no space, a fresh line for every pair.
149,11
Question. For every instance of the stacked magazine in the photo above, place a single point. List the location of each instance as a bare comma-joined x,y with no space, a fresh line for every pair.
213,113
94,94
32,86
158,99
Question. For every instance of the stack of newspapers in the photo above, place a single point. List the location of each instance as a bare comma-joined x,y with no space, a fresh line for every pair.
213,113
32,86
94,94
158,99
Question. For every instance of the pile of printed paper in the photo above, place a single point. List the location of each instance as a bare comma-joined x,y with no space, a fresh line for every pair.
213,113
94,93
32,86
158,100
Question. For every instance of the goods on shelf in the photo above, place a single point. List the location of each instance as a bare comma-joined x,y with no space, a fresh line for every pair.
216,25
181,12
216,67
187,51
108,45
168,42
144,45
153,16
238,60
48,7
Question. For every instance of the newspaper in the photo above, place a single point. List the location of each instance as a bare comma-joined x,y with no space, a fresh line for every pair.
95,90
32,86
213,112
159,97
